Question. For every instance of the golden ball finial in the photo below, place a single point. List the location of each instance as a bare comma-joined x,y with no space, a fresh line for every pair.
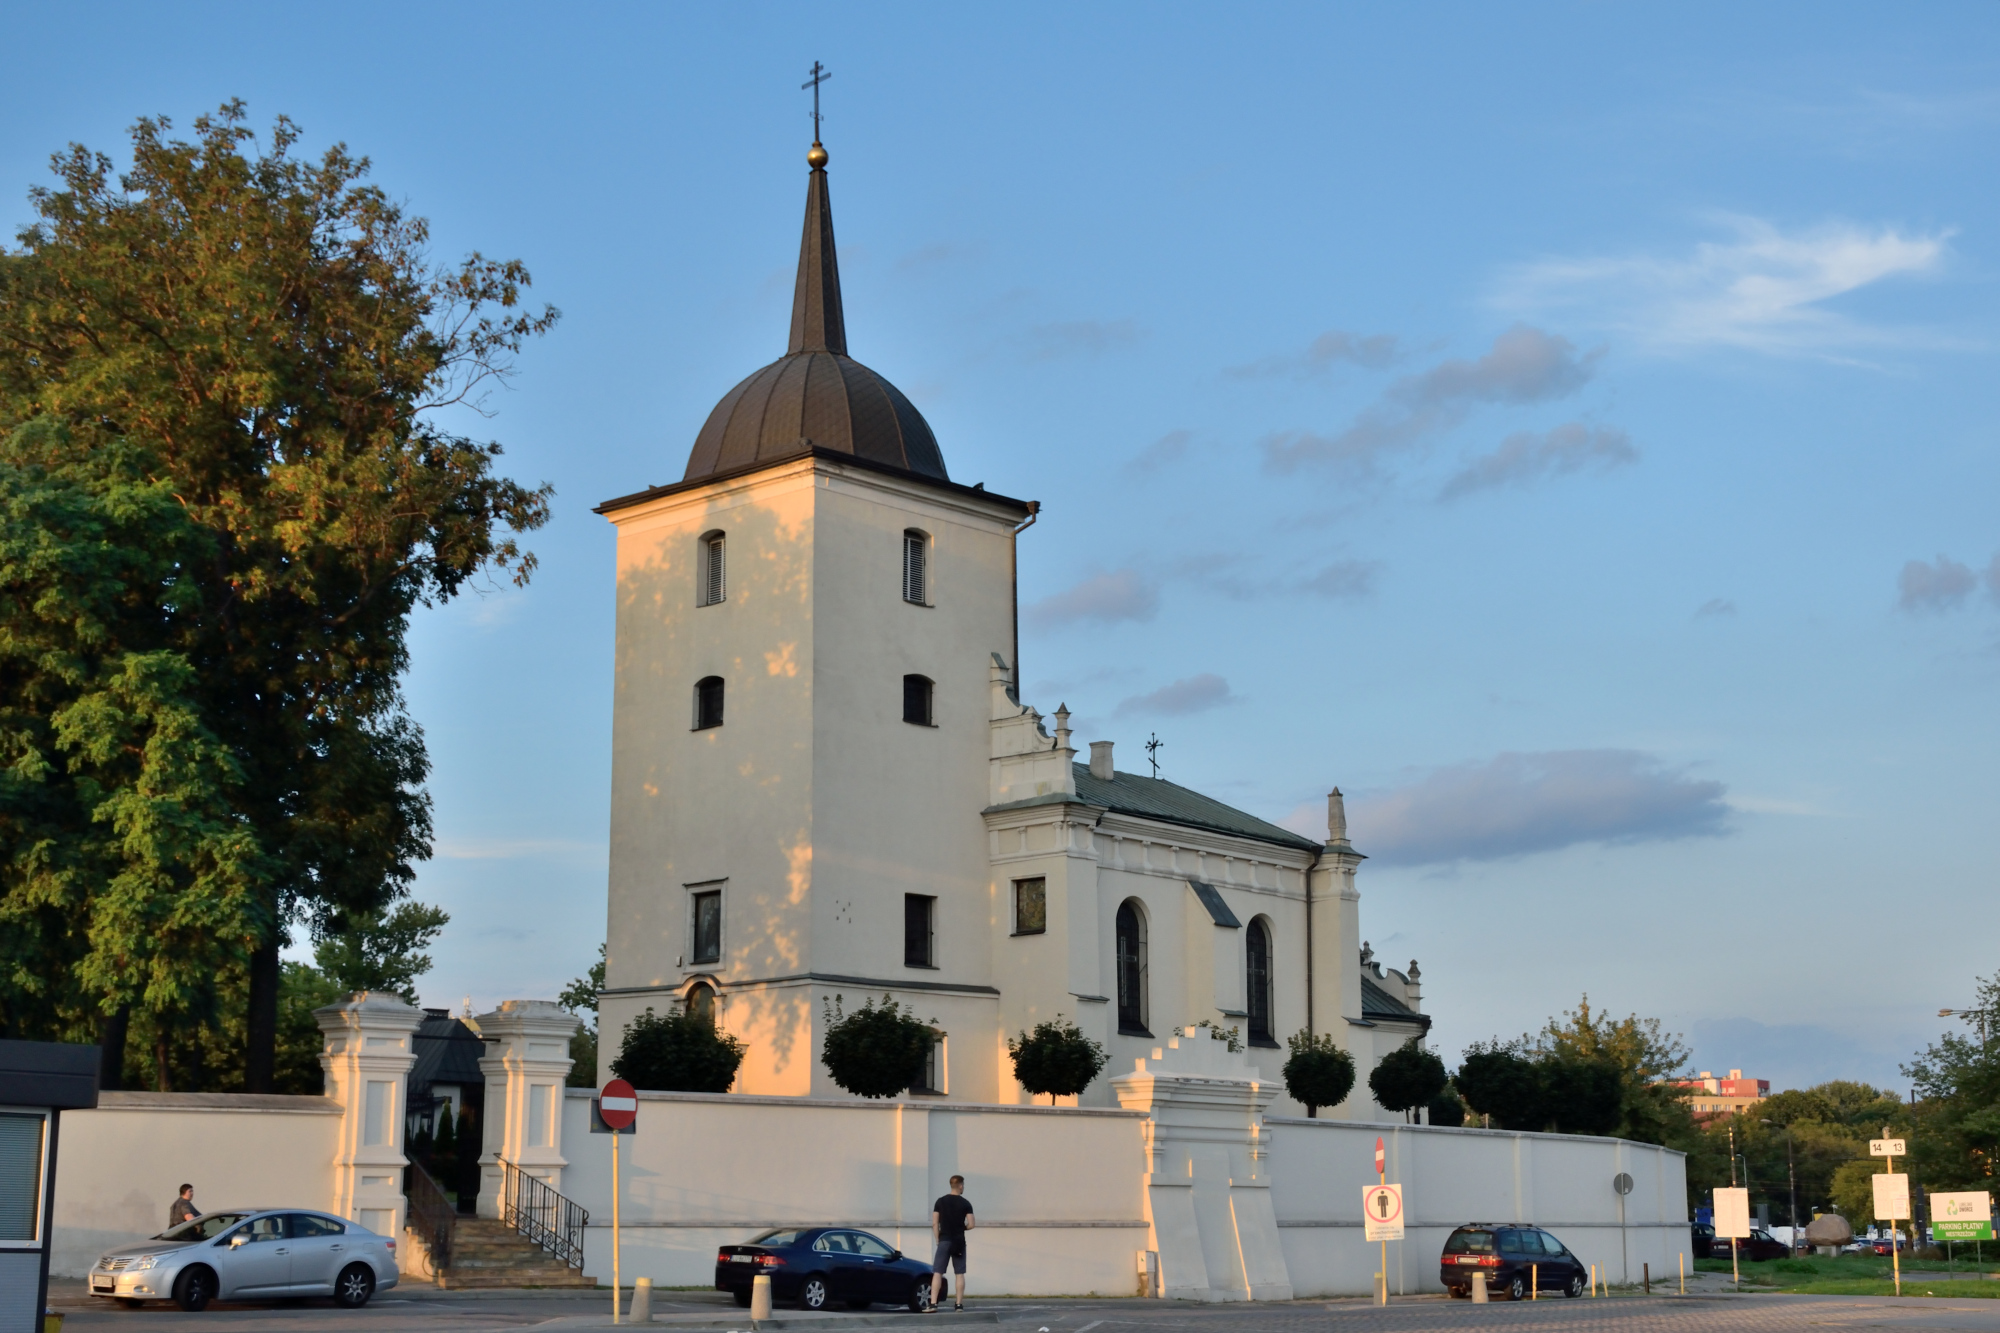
816,157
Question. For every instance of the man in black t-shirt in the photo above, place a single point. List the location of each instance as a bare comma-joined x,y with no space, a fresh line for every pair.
951,1218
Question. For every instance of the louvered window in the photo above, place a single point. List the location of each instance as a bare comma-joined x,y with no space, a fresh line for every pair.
714,570
708,702
916,575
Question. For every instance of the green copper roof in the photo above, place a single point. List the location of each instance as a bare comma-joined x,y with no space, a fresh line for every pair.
1156,798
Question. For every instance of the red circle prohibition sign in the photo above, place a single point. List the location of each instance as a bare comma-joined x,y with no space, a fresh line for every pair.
1384,1205
618,1104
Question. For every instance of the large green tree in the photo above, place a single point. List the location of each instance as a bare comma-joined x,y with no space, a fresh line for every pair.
1957,1079
264,340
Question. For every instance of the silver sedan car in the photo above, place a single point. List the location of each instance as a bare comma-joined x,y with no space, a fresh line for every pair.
249,1254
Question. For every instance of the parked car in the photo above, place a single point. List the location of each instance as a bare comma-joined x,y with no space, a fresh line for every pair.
1517,1261
1701,1239
817,1267
250,1253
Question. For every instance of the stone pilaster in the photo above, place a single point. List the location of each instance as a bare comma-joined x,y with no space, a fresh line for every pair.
1208,1189
367,1057
526,1067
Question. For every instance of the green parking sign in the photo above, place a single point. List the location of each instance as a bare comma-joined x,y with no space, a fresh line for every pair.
1962,1216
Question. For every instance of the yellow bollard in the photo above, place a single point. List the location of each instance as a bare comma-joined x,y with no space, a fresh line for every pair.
1534,1282
1684,1273
760,1297
1593,1279
1479,1289
642,1301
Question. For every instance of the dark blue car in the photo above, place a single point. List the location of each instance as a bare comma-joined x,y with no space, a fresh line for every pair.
817,1267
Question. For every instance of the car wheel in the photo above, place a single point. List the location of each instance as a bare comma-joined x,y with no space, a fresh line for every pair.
194,1289
920,1298
1517,1289
1575,1287
742,1295
354,1286
813,1292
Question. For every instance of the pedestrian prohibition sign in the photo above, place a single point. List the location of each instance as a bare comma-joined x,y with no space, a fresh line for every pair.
1382,1209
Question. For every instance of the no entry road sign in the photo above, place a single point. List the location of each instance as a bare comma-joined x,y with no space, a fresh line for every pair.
1382,1209
618,1104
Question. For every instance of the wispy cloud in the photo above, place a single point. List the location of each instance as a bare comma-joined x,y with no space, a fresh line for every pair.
1373,352
513,849
1344,579
1714,608
1102,599
1517,804
1764,288
1527,456
1523,365
1162,453
1079,337
1194,694
1937,587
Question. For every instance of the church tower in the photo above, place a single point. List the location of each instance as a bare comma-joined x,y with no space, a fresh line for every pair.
807,623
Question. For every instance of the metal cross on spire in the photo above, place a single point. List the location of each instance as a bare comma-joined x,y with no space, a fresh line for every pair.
820,74
1153,748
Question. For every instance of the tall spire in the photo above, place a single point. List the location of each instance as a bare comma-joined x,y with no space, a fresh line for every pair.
817,325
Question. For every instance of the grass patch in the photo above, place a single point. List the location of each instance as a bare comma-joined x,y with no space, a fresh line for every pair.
1859,1275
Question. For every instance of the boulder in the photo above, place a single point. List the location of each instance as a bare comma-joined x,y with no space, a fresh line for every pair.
1829,1231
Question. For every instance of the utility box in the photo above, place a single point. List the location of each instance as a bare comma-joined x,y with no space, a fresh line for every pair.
39,1080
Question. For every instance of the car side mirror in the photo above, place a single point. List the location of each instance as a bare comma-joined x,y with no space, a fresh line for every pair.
894,1255
238,1241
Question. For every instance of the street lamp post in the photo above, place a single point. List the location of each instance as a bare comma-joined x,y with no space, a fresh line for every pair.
1977,1015
1792,1179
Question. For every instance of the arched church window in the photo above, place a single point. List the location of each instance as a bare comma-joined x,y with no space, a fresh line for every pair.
1257,973
917,700
707,703
700,1002
1132,1000
714,569
916,567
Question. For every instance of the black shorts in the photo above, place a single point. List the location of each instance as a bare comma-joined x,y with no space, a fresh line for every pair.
952,1252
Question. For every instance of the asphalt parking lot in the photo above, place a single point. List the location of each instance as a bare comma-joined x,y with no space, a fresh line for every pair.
420,1309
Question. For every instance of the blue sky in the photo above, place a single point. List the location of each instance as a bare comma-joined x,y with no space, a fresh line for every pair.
1567,427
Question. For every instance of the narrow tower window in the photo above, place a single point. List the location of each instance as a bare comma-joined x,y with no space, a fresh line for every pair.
1132,970
919,930
917,700
707,703
707,931
700,1002
916,575
1031,906
1257,972
714,570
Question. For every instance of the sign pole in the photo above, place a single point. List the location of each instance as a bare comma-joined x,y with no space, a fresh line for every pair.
615,1275
1382,1178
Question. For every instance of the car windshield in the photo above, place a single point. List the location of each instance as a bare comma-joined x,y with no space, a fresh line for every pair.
776,1240
206,1227
1469,1242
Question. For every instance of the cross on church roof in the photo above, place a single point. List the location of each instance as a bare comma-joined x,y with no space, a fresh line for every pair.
1153,747
820,74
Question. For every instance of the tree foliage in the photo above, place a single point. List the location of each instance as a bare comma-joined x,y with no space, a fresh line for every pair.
376,951
225,487
1957,1080
1407,1077
876,1051
1318,1072
581,998
677,1052
1056,1059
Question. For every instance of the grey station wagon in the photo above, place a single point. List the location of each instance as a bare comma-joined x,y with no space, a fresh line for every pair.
250,1254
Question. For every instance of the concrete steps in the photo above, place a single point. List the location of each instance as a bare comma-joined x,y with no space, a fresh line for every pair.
486,1252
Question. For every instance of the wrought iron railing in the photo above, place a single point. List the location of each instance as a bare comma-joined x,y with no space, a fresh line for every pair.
432,1213
545,1217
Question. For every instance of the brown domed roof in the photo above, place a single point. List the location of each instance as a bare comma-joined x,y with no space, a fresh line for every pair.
815,396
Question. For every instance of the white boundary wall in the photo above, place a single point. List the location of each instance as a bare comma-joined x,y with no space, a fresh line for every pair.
1058,1190
119,1167
1559,1182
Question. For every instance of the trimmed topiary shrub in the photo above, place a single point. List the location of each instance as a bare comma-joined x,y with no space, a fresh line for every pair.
876,1051
1318,1073
677,1052
1407,1077
1056,1059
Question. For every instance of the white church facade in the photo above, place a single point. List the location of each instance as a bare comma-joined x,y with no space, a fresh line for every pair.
826,784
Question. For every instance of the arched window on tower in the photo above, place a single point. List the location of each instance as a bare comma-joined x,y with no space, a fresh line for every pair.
714,569
1132,1000
917,701
1257,975
916,567
707,703
700,1002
